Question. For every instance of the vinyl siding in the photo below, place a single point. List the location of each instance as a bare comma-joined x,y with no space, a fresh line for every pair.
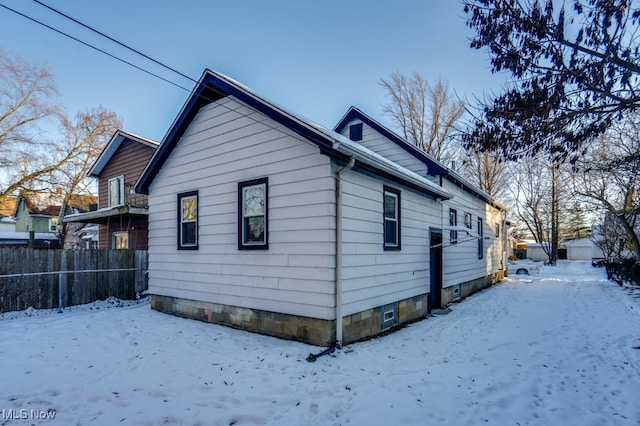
228,143
460,261
372,276
374,141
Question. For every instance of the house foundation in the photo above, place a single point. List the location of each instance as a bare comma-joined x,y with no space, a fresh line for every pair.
314,331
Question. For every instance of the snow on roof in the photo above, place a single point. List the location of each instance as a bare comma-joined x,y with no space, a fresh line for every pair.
9,235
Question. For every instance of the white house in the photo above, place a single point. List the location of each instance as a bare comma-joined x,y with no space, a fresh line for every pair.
468,241
263,220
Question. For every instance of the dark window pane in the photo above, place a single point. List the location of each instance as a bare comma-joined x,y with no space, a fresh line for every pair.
355,132
188,233
254,229
390,233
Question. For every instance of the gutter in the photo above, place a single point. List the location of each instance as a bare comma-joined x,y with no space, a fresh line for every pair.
349,166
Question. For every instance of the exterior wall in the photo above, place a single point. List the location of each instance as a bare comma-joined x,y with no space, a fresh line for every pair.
310,330
460,260
374,141
373,276
128,161
136,227
227,143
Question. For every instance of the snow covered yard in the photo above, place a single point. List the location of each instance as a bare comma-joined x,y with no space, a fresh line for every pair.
553,349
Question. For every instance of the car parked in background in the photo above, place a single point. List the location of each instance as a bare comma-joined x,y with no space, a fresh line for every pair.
524,267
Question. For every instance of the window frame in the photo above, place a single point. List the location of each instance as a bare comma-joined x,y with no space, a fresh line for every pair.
453,221
53,224
480,238
397,245
355,132
468,220
181,245
243,244
114,239
120,185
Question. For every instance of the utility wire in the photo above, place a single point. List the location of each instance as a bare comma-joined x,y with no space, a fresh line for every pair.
92,46
114,40
217,91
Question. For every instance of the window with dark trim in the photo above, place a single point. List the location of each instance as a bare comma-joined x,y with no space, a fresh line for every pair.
253,214
480,239
391,218
467,221
355,132
188,221
453,221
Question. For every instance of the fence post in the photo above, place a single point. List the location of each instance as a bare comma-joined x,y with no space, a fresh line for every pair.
61,275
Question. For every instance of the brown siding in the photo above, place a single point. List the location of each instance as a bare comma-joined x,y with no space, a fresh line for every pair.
137,228
128,161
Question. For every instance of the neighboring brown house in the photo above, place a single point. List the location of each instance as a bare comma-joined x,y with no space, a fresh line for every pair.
121,214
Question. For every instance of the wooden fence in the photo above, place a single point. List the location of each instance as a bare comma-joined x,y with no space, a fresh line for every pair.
34,278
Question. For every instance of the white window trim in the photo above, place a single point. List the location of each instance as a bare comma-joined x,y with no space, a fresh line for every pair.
120,180
115,236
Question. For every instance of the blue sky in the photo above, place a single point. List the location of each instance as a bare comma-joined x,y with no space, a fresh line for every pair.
315,58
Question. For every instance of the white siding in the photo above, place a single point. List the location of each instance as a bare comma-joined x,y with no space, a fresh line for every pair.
460,261
372,276
374,141
227,143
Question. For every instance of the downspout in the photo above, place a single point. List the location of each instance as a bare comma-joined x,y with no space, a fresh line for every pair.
344,169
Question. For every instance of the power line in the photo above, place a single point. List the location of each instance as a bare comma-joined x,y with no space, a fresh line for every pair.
192,92
92,46
115,41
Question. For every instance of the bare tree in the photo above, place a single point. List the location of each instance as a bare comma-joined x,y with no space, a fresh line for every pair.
611,183
40,147
426,113
27,94
539,198
487,171
84,140
576,68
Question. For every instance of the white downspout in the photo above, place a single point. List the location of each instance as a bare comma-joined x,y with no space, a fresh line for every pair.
346,168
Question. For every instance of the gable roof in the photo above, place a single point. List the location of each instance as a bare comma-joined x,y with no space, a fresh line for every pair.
112,146
434,167
213,86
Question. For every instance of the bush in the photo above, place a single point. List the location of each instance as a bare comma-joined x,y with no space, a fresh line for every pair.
626,271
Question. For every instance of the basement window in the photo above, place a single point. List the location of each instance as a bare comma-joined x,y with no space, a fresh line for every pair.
389,315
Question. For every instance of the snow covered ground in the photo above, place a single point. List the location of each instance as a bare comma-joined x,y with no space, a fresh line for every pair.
557,348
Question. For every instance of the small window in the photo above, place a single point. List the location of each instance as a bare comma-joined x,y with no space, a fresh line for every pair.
116,191
389,316
355,132
453,221
497,230
467,221
188,221
391,207
480,240
120,240
253,212
53,224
